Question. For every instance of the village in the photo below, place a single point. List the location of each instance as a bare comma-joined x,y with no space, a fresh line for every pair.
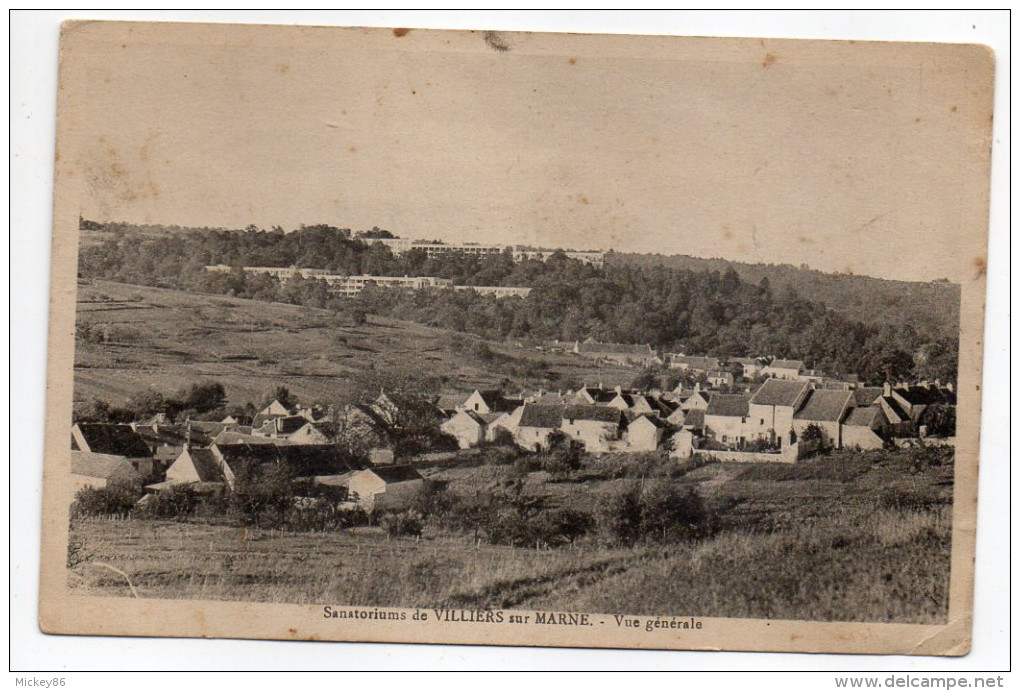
736,410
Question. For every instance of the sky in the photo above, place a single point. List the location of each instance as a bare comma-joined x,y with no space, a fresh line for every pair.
870,158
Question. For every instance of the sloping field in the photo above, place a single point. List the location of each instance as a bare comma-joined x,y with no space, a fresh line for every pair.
164,339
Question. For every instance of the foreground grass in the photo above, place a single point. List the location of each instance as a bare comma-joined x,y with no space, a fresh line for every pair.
850,537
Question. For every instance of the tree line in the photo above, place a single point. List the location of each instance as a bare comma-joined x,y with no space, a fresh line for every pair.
704,312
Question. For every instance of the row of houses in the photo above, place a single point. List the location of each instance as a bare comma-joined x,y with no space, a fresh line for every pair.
433,249
776,414
351,286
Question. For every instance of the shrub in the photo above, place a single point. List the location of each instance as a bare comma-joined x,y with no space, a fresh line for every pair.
176,504
657,512
115,500
320,513
403,523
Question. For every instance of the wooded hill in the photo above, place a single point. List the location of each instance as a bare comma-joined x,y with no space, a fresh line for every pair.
706,311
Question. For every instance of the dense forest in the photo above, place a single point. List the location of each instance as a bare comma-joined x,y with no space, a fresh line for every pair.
932,307
712,312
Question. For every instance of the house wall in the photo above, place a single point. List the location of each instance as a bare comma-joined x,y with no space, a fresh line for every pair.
725,428
467,432
644,437
182,471
830,430
476,403
308,435
594,435
530,437
81,481
861,437
778,419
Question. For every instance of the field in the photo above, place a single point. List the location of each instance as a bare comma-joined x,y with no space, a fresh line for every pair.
845,537
166,339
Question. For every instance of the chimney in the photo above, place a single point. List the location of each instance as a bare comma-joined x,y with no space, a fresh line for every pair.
887,389
949,386
618,389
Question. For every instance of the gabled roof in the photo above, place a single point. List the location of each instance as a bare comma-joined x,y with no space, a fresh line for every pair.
206,467
654,421
396,473
702,362
98,465
303,460
779,392
867,395
290,424
824,405
728,405
228,438
543,416
897,409
118,440
599,395
694,418
863,416
450,401
787,364
925,395
592,413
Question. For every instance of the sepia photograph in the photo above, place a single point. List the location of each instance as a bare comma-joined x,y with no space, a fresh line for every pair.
391,334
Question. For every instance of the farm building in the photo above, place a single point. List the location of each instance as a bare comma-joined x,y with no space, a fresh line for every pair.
594,426
784,369
645,433
771,408
115,440
386,487
726,418
467,427
101,470
620,353
863,428
537,423
826,409
193,466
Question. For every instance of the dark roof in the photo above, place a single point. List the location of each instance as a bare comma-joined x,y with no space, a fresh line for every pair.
824,406
96,464
595,348
206,467
599,395
779,392
694,418
229,438
728,405
925,395
863,417
396,473
649,418
119,440
290,424
594,413
304,460
787,364
698,361
897,408
544,416
867,395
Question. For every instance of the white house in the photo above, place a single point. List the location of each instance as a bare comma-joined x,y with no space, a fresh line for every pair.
592,425
645,433
385,487
771,409
467,427
726,418
784,369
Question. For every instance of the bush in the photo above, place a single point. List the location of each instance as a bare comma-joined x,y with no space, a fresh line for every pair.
175,504
657,512
319,514
403,523
115,500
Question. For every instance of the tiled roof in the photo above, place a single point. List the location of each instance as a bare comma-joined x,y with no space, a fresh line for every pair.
728,405
779,392
593,413
118,440
787,364
206,467
543,416
863,416
95,464
867,395
824,406
303,460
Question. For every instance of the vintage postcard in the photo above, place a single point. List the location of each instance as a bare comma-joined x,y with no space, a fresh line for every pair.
522,339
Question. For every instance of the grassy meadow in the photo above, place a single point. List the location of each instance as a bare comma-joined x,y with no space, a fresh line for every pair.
848,537
167,339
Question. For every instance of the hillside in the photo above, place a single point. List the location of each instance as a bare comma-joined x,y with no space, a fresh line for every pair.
932,308
167,339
